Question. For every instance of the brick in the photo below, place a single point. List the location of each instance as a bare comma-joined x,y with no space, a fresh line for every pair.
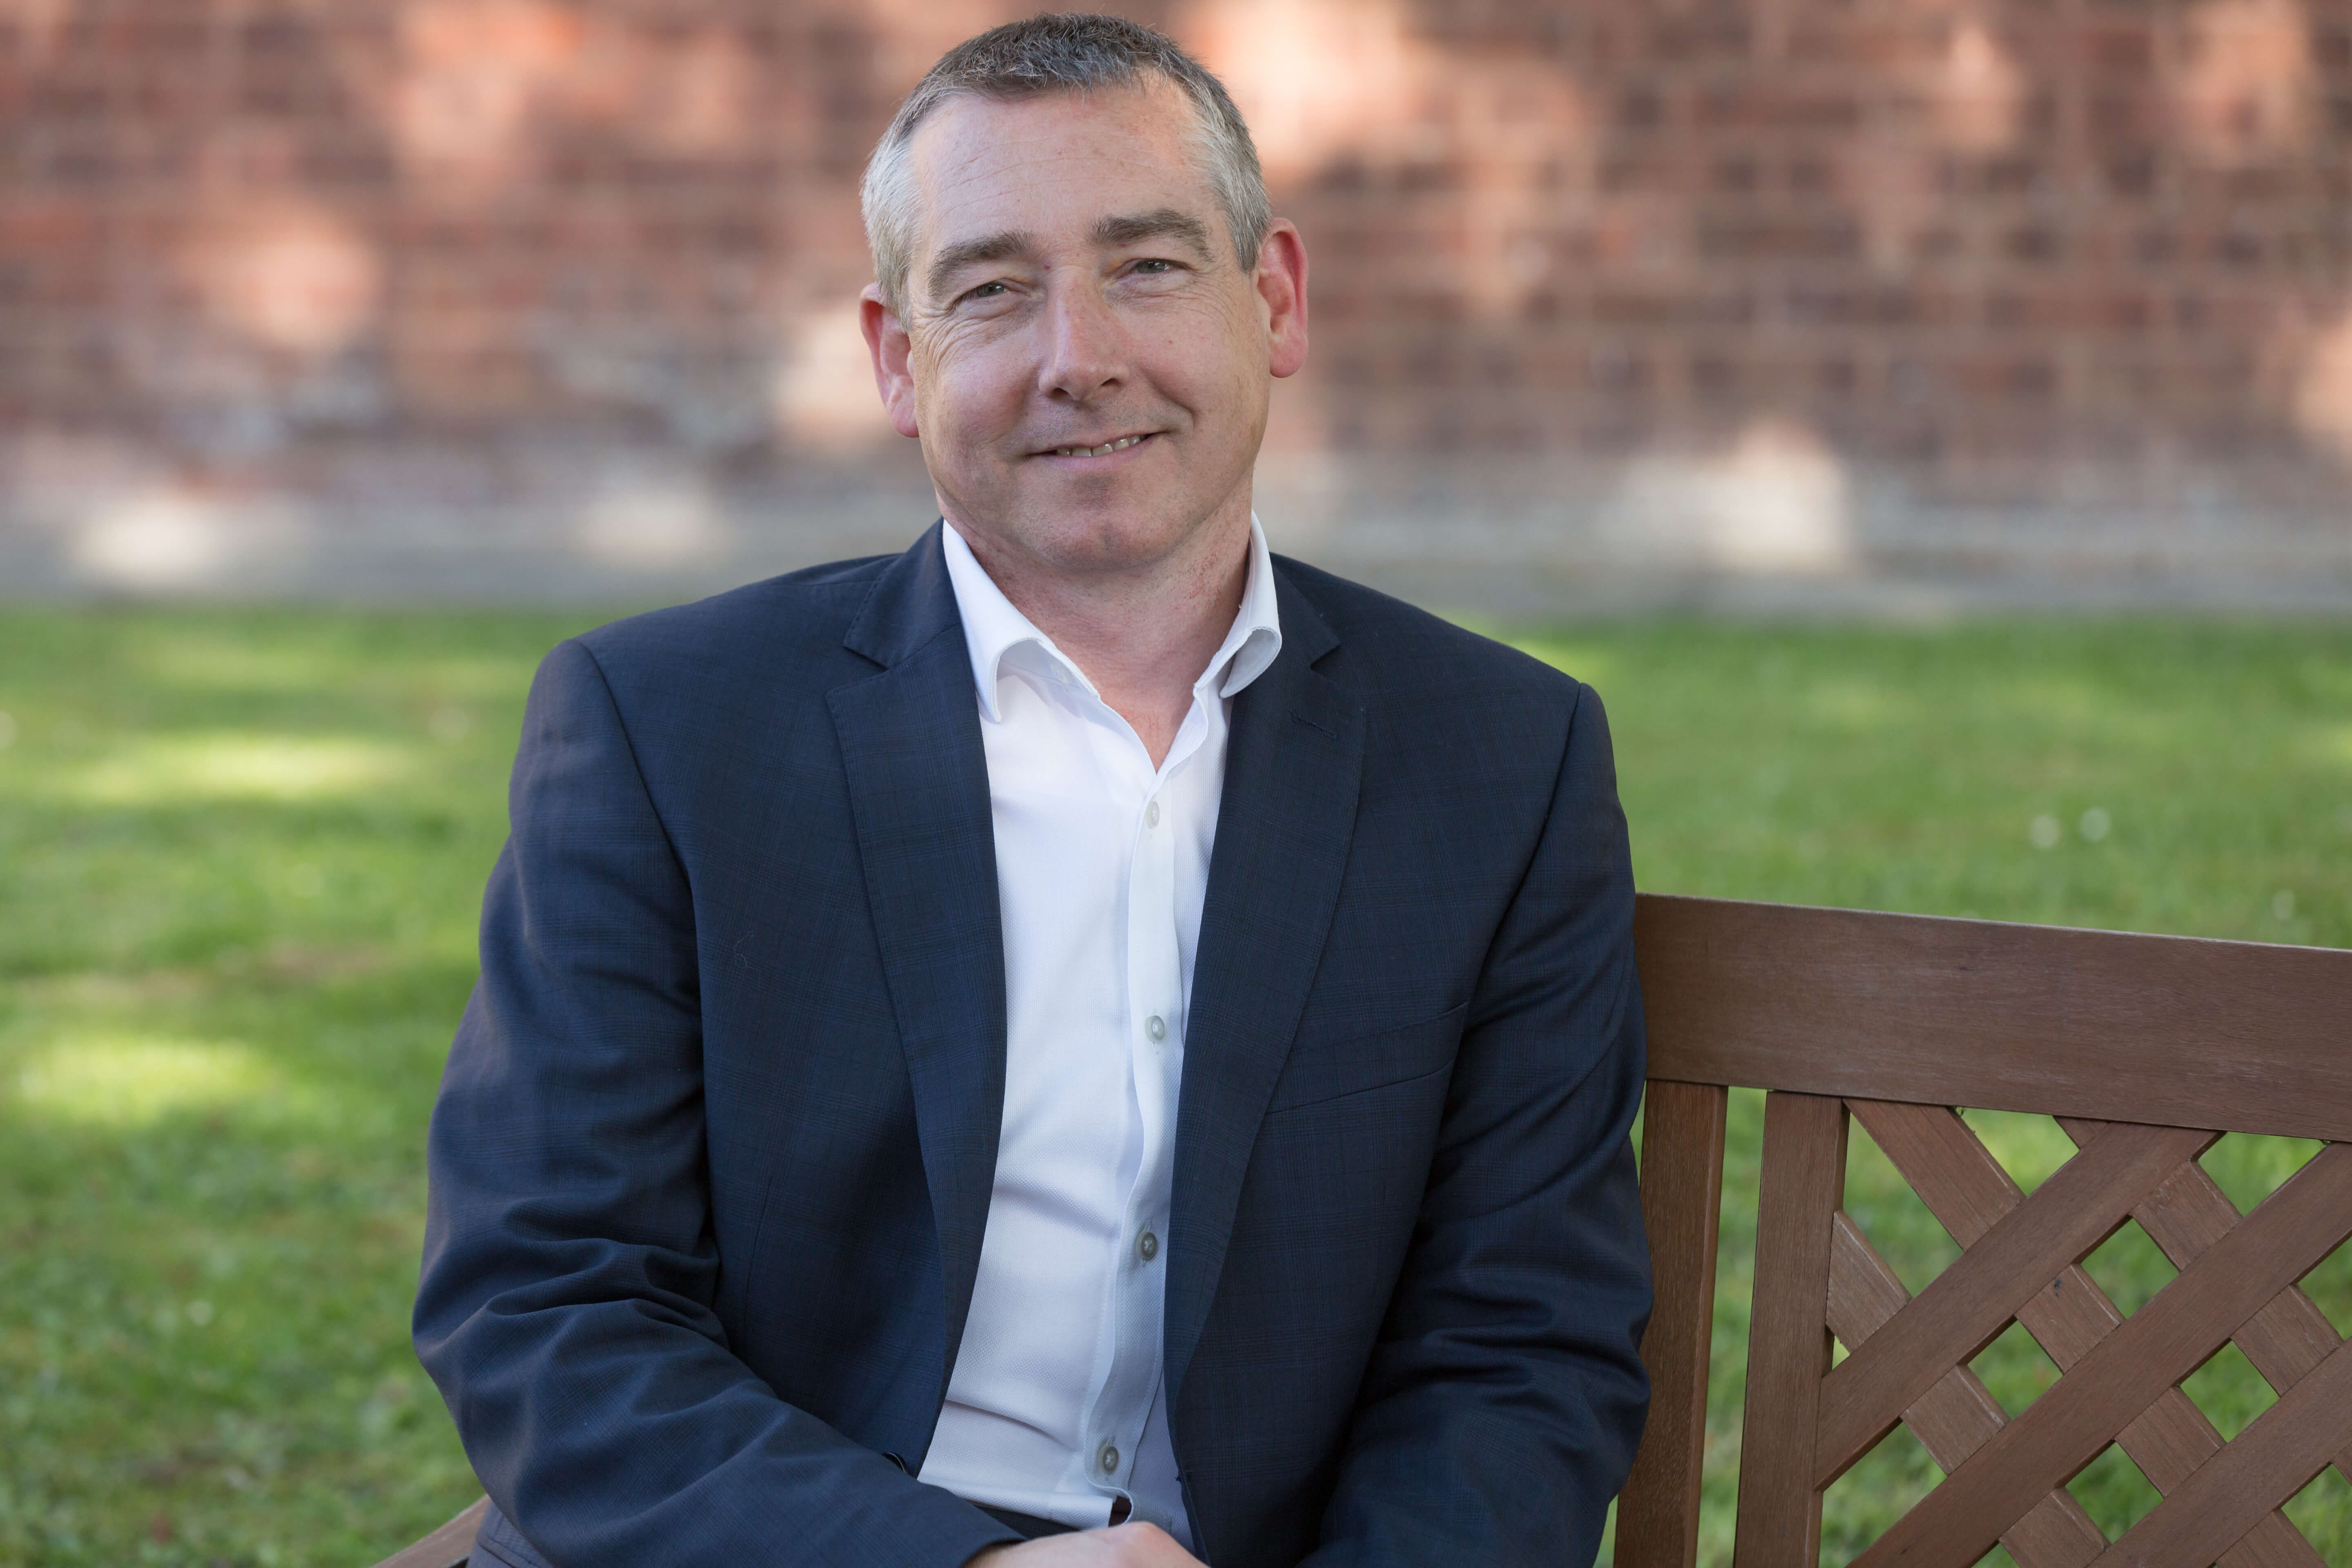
1587,228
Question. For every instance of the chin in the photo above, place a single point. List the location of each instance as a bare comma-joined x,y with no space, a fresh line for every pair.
1099,535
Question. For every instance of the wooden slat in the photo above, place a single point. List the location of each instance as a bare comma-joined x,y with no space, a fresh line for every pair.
2189,1213
1802,1180
1947,1164
1971,1301
445,1547
1682,1207
1955,1417
2175,1031
2269,1461
1959,1416
1966,1189
2301,1223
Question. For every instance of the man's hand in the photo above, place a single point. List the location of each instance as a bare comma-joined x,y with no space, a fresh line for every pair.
1120,1546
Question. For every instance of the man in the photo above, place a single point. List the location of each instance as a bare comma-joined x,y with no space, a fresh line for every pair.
1082,1043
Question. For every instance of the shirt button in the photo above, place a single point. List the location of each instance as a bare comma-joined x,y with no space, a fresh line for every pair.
1147,1246
1157,1030
1152,815
1107,1458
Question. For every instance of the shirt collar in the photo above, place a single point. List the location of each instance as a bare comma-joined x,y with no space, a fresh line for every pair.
993,629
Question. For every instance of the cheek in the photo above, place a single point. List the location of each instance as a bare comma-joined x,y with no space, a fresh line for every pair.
1186,359
1220,356
967,388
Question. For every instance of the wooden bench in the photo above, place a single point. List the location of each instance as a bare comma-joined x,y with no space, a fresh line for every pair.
2147,1049
447,1547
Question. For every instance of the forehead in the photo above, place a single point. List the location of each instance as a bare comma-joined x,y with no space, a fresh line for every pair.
1057,162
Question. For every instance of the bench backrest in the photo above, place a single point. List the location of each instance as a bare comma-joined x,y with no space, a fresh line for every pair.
2146,1049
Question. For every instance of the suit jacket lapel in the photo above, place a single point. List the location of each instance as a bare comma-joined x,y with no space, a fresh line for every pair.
1294,762
918,790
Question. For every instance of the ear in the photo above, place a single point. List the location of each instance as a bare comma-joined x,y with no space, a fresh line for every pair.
1282,295
886,345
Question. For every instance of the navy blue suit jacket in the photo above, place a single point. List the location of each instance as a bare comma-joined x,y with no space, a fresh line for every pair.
713,1153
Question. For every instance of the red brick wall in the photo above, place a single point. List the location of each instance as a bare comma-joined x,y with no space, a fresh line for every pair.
1970,271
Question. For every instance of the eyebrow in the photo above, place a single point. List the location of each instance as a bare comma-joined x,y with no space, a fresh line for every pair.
965,253
1164,223
1119,230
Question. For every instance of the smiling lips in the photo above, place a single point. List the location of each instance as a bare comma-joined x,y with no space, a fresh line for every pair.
1105,450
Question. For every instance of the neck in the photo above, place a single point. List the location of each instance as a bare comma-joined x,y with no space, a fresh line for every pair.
1142,633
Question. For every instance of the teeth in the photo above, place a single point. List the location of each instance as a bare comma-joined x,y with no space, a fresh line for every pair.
1105,450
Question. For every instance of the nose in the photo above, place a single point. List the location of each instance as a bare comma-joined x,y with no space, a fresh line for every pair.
1081,357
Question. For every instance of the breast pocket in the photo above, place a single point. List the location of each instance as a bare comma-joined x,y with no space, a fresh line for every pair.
1316,1073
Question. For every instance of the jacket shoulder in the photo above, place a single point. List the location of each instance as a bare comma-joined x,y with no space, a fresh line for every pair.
1397,649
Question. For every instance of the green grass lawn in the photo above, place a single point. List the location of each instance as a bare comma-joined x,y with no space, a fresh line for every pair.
242,857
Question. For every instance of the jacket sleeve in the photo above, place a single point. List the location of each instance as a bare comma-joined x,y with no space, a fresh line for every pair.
1504,1402
568,1272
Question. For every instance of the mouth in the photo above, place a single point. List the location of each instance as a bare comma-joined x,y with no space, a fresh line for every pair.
1107,448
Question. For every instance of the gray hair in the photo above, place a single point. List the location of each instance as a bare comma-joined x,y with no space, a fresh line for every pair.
1075,51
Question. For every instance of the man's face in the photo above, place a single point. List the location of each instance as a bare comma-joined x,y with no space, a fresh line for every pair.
1073,287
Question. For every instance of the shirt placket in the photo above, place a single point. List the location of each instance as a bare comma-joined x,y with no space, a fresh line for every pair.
1155,1004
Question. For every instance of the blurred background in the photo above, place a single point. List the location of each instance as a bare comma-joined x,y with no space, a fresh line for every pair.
1928,422
1744,302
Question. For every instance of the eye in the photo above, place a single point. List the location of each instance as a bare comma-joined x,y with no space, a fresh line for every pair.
1154,264
985,292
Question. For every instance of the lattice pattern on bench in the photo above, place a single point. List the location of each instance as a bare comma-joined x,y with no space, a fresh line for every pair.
1908,1356
2146,1050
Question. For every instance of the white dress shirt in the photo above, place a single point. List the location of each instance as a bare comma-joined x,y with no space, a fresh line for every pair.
1054,1407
